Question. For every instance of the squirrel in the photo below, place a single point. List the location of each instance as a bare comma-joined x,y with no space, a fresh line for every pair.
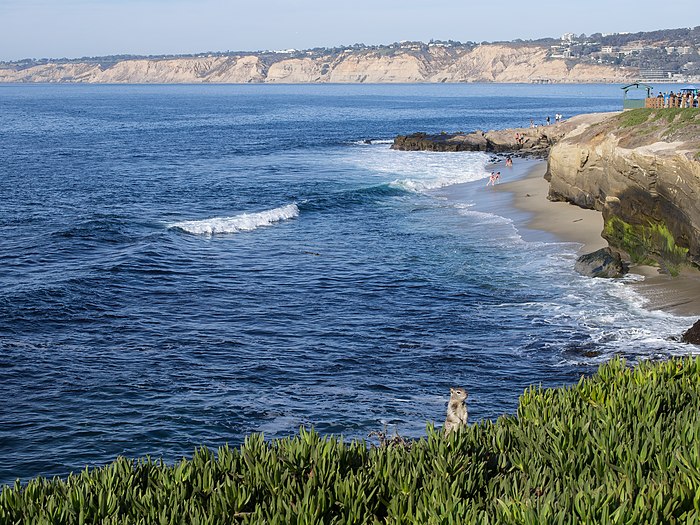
456,410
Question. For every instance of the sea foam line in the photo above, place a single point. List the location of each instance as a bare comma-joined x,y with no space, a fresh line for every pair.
244,222
421,171
373,142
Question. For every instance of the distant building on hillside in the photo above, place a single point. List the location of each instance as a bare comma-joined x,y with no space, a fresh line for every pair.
655,75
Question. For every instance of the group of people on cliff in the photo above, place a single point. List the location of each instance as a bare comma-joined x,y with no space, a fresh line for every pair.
678,100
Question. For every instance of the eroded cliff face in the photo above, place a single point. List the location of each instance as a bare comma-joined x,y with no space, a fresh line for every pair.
220,69
642,170
486,63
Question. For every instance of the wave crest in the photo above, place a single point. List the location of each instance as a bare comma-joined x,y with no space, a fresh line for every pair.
244,222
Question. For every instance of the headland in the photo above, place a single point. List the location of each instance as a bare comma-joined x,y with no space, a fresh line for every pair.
628,180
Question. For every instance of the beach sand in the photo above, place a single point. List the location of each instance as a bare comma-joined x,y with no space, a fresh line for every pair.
567,222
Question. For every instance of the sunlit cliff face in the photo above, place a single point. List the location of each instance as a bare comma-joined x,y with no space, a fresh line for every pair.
488,63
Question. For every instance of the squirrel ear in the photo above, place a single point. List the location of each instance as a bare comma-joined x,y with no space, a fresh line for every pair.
452,390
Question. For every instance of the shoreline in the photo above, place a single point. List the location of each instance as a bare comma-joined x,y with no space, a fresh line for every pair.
567,222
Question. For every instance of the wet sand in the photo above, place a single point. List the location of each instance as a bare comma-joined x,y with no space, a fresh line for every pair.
566,221
679,295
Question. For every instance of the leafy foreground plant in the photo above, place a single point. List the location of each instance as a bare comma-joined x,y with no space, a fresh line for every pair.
620,447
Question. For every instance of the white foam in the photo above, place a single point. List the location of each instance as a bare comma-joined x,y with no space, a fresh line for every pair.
482,217
238,223
422,171
373,142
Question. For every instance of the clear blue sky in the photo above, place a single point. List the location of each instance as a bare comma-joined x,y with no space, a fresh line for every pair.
75,28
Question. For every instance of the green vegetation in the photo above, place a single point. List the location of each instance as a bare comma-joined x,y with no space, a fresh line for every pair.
652,243
620,447
634,117
683,120
678,116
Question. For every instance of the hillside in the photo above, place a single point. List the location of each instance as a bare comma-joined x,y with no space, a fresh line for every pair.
663,54
484,63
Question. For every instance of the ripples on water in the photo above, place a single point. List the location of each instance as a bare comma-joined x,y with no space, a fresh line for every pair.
185,265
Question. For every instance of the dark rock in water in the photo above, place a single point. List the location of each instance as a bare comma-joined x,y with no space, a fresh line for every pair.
601,263
692,335
441,142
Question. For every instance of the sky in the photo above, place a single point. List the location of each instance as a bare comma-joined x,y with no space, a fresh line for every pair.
77,28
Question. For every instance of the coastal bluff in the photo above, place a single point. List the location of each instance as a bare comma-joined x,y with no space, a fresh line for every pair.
413,64
640,168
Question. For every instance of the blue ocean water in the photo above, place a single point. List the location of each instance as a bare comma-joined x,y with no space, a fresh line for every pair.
184,265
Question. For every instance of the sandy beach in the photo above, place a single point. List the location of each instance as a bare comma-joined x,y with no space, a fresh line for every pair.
566,221
679,295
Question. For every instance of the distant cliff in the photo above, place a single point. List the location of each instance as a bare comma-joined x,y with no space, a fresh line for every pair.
482,63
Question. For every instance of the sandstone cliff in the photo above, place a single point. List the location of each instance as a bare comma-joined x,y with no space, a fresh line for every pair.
484,63
640,168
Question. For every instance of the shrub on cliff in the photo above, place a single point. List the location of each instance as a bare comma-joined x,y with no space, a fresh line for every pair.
620,447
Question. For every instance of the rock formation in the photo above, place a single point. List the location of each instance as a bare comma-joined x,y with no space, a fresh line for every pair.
641,168
601,263
484,63
692,335
533,141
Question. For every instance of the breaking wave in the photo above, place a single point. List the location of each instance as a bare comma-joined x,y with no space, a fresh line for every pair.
421,171
372,142
244,222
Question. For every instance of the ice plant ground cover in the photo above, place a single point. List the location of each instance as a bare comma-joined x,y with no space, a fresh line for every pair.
622,446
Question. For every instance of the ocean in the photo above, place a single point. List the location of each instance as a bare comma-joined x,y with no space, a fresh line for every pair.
185,265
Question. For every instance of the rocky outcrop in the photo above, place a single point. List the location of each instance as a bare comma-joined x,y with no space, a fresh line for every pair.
525,141
640,168
692,335
601,263
484,63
